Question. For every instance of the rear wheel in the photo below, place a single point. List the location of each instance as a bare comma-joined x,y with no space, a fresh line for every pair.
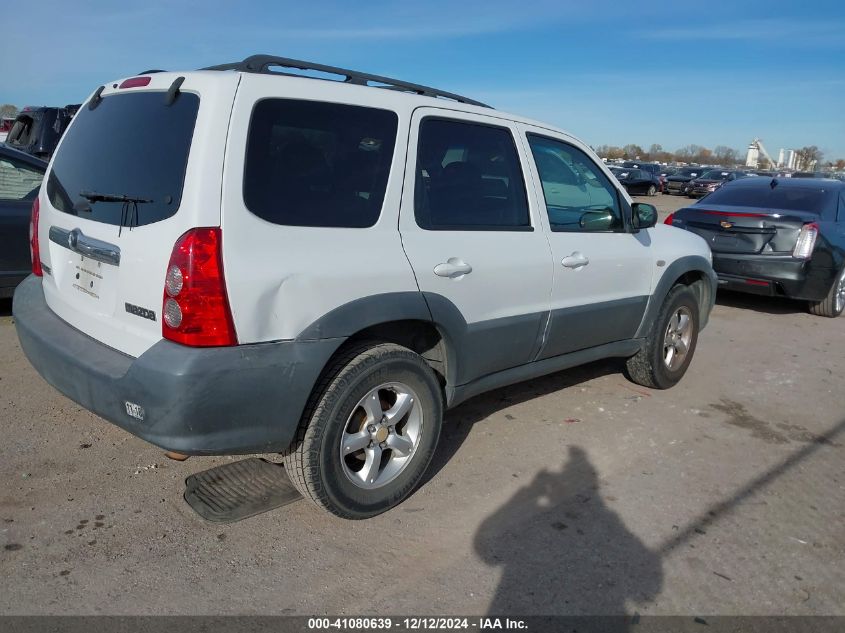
652,190
834,303
670,344
368,432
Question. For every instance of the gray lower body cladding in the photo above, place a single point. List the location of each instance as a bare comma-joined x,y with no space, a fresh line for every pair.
226,400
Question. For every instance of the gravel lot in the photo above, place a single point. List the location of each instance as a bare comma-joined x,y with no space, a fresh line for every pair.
579,493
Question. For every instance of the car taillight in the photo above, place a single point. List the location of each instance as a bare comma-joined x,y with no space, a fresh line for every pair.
806,241
34,251
669,219
195,309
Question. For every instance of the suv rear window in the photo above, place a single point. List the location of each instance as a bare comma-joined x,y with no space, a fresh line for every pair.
808,199
318,164
131,145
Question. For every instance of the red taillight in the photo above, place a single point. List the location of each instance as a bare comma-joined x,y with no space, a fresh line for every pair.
195,310
756,282
806,241
135,82
669,219
34,251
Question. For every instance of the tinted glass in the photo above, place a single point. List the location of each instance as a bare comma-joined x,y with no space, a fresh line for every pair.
130,145
318,164
577,203
18,181
814,200
468,177
715,175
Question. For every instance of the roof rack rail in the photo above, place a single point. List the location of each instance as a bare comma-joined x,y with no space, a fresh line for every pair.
262,64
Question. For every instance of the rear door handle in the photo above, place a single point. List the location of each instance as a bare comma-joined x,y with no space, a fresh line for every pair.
576,260
453,268
89,247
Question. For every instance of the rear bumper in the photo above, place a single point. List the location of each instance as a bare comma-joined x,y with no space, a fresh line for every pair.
780,276
198,401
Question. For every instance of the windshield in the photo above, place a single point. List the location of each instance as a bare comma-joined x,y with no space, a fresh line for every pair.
132,145
811,199
715,175
694,171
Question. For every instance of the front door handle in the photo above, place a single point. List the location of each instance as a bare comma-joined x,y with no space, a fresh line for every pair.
453,268
576,260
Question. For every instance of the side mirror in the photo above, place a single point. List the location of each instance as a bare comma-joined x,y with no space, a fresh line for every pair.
644,215
597,220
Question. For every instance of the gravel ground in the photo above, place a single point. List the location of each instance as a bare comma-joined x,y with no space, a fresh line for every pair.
579,493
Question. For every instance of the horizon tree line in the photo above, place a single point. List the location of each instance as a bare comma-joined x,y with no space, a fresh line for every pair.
806,157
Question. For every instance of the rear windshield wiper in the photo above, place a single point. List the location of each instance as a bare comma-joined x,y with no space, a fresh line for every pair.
96,196
129,211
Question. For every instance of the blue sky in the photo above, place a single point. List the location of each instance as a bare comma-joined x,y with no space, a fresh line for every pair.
674,73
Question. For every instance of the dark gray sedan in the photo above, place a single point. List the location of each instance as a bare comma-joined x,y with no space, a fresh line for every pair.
776,236
20,179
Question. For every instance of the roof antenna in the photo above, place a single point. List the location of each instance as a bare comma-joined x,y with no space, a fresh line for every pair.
774,183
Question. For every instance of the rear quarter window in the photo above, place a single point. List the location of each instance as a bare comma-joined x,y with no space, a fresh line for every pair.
318,164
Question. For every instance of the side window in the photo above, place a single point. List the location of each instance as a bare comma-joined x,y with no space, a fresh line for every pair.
310,163
18,181
587,203
468,177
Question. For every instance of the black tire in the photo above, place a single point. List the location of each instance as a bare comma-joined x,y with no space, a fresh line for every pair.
652,191
647,367
313,461
833,304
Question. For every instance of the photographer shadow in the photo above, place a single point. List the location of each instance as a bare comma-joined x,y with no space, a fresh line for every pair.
562,551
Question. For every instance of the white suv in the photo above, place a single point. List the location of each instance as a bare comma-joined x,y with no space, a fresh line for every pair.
242,260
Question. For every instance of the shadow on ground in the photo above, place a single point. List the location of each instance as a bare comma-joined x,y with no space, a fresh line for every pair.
561,550
458,422
758,303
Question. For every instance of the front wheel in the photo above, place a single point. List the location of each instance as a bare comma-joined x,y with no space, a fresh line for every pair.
369,431
670,344
834,303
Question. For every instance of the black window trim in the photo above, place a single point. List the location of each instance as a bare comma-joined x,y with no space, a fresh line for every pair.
463,228
625,209
396,140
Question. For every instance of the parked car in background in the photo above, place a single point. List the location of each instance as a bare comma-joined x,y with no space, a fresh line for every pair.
677,182
777,237
20,178
37,130
5,127
651,168
637,182
711,180
812,174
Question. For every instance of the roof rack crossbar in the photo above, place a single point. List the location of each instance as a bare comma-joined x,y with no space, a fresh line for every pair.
262,64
